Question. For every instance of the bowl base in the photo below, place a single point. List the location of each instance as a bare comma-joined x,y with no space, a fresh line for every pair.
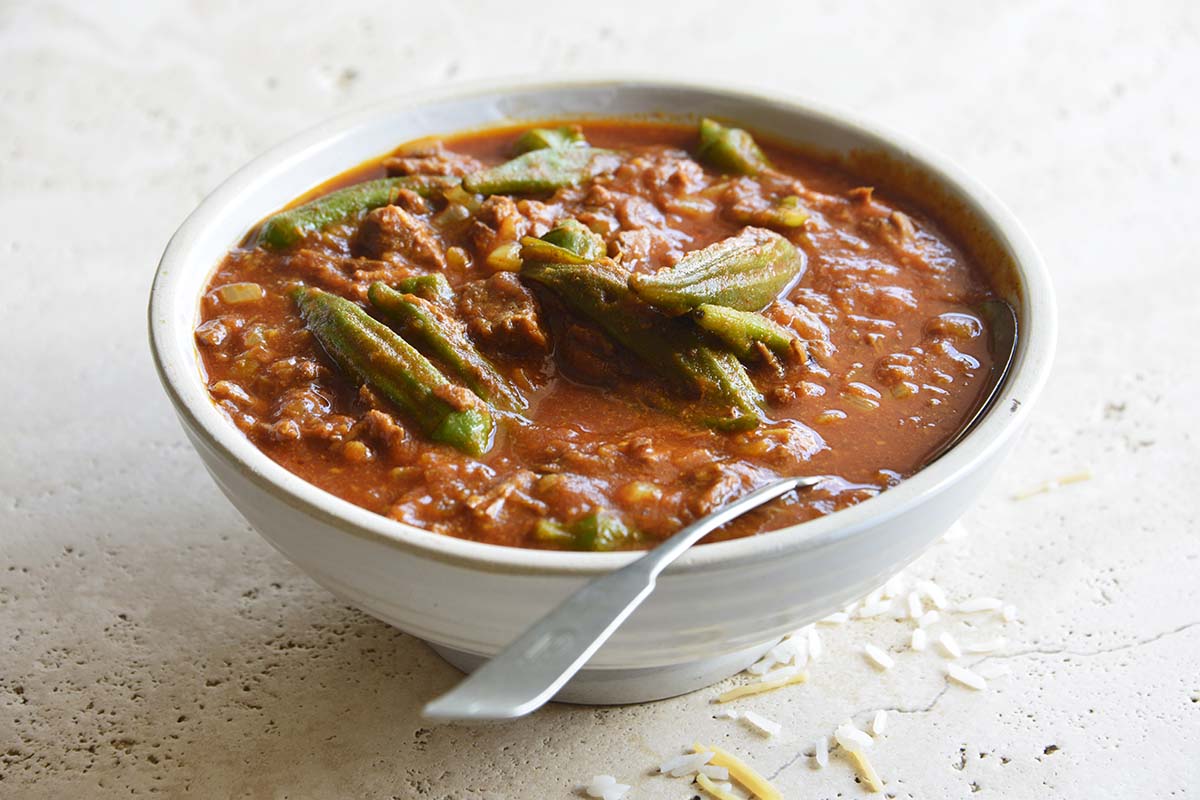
600,687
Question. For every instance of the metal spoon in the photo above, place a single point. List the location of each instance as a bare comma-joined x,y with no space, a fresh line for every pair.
531,670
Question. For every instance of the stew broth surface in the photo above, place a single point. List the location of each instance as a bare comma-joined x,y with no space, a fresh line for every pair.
897,355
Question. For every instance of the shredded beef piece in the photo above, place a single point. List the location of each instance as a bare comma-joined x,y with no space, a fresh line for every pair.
568,497
497,221
432,160
723,482
663,172
503,315
647,249
411,202
587,355
457,397
392,230
213,332
541,216
389,434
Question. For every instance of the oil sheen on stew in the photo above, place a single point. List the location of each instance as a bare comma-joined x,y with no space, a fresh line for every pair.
700,317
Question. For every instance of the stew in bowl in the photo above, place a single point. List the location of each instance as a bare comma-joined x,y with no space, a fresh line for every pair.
583,335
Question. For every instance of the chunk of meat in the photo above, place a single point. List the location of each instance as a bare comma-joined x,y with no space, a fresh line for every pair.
568,496
588,356
498,220
390,231
431,159
541,216
345,276
410,201
647,249
503,315
662,172
388,434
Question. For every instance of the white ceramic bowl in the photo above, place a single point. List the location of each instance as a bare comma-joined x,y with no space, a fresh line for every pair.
720,605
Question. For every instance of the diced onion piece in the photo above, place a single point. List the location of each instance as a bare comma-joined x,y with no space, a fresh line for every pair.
640,491
548,531
234,293
860,401
457,258
505,257
452,214
830,416
460,196
789,212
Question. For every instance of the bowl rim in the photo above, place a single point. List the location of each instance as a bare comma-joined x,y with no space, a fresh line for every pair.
181,378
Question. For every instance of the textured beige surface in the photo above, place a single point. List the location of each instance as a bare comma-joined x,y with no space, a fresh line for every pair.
151,643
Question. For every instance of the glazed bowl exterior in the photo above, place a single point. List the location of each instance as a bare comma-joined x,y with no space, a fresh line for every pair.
729,599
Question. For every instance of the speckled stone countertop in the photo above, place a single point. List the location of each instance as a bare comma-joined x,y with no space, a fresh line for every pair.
150,642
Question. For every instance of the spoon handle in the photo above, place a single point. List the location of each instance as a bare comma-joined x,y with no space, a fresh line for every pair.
529,672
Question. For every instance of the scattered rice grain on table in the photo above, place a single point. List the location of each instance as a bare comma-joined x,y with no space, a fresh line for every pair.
949,645
850,737
767,726
877,656
915,607
967,677
821,752
976,605
935,593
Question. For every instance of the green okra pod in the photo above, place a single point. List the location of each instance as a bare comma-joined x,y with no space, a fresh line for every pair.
288,227
568,242
743,331
600,291
598,531
542,138
786,213
730,149
373,354
432,287
745,272
440,335
543,170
